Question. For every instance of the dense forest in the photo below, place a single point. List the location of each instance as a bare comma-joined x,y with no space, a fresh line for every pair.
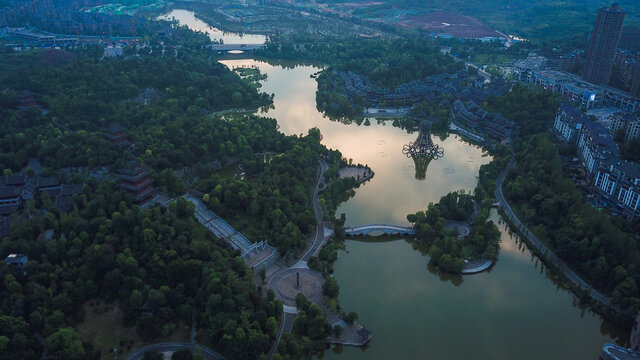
147,273
604,249
159,265
85,94
273,200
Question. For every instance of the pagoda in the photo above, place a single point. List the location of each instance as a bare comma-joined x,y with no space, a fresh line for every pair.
136,182
118,136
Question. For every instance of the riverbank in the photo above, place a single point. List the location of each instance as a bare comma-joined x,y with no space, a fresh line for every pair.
599,302
289,281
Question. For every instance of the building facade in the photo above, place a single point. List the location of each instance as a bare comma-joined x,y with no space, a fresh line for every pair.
585,94
617,182
568,123
635,82
468,115
604,44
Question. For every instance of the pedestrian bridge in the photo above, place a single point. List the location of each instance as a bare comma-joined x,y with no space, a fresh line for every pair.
236,47
364,230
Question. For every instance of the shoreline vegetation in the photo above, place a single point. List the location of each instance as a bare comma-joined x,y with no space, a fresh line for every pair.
597,246
158,273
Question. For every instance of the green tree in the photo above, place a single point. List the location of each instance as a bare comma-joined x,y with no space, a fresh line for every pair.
65,344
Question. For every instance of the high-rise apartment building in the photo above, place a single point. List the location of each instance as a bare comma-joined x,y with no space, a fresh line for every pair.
603,44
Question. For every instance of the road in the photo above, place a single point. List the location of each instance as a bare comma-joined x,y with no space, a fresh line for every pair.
542,248
207,353
286,325
319,238
289,318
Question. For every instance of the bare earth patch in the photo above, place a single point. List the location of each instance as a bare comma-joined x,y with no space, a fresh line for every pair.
352,171
103,328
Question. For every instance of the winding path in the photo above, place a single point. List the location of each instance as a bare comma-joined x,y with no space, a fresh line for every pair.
542,248
320,235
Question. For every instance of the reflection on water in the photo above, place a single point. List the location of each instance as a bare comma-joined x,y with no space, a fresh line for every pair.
423,150
514,311
186,17
394,191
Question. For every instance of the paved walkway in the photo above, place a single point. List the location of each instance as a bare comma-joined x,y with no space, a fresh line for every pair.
476,266
541,247
320,231
284,281
615,352
256,255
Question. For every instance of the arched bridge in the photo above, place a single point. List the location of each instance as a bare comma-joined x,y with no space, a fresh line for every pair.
385,228
235,47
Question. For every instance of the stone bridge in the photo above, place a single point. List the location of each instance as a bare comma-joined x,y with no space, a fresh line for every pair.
364,230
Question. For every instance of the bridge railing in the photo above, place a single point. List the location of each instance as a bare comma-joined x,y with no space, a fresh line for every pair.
378,226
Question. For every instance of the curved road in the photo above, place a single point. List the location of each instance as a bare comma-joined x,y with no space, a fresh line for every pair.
289,317
207,353
542,248
319,238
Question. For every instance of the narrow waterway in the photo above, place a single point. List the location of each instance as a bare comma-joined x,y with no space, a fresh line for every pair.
186,17
513,311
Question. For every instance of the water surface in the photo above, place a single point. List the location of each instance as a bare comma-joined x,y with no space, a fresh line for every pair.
186,17
394,191
513,311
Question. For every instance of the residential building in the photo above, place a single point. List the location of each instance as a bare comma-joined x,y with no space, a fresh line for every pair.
635,82
603,44
605,116
633,130
583,93
628,123
626,64
468,115
617,182
568,123
523,69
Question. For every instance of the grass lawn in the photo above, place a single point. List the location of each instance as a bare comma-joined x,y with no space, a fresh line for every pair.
103,328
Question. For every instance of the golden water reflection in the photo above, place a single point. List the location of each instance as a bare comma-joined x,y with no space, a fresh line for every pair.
394,191
189,17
